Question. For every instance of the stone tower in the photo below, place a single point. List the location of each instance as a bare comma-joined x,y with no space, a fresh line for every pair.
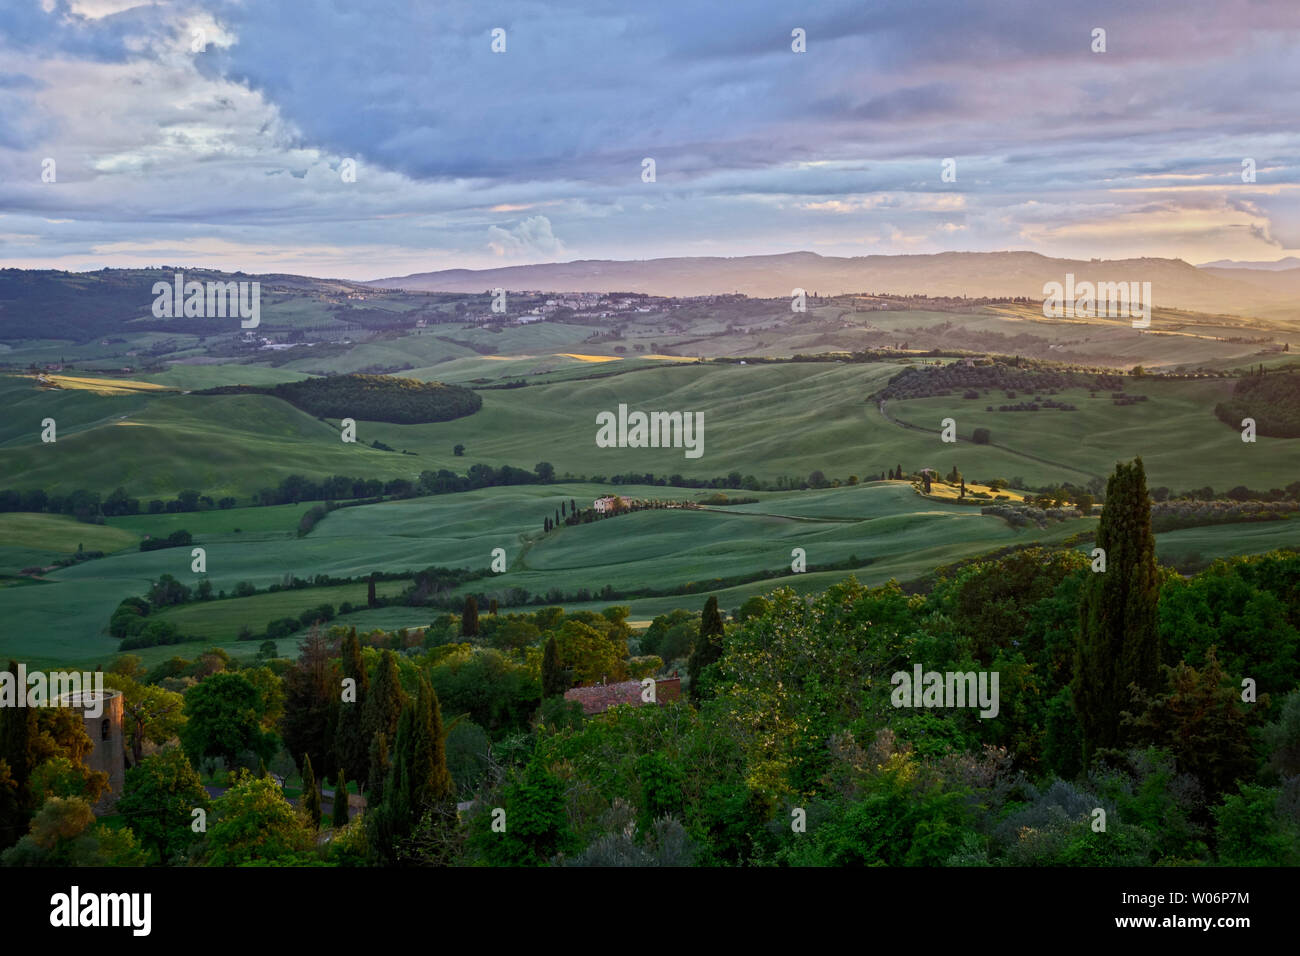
108,753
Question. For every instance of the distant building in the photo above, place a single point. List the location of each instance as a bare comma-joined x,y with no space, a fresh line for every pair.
606,504
108,750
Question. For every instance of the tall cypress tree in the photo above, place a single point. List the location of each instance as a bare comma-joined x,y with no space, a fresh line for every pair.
351,745
554,680
371,599
379,767
430,779
340,815
310,800
1119,643
469,619
708,646
384,702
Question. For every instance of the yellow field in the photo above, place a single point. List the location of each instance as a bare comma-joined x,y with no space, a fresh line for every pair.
939,489
102,386
590,358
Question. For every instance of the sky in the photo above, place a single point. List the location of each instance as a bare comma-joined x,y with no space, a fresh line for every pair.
378,138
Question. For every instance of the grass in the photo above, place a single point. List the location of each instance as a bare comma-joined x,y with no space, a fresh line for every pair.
102,386
765,420
221,445
1182,444
218,622
60,533
890,531
274,518
1197,545
194,377
37,540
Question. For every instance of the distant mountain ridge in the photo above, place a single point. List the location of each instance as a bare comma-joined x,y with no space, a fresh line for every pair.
1174,283
1290,262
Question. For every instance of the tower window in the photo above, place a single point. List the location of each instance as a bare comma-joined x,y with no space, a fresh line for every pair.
103,730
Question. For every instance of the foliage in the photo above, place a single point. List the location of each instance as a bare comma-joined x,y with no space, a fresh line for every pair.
254,822
1118,644
158,800
224,718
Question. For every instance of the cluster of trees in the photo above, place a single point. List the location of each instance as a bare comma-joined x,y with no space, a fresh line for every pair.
1030,407
1239,493
1027,376
1271,399
373,398
1171,515
562,513
91,506
130,619
177,539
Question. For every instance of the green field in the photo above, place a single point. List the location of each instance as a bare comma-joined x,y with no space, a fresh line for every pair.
1226,540
220,445
237,444
61,533
36,540
199,523
881,530
195,377
218,622
885,526
1182,444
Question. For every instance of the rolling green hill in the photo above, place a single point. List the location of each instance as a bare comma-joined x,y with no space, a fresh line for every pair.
766,420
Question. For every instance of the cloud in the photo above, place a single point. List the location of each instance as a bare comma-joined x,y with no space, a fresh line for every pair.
236,150
531,238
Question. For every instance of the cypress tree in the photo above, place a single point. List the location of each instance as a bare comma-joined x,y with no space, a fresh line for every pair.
351,745
340,817
1118,642
310,800
492,607
379,767
418,779
430,780
371,599
469,619
554,680
708,646
384,702
573,507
